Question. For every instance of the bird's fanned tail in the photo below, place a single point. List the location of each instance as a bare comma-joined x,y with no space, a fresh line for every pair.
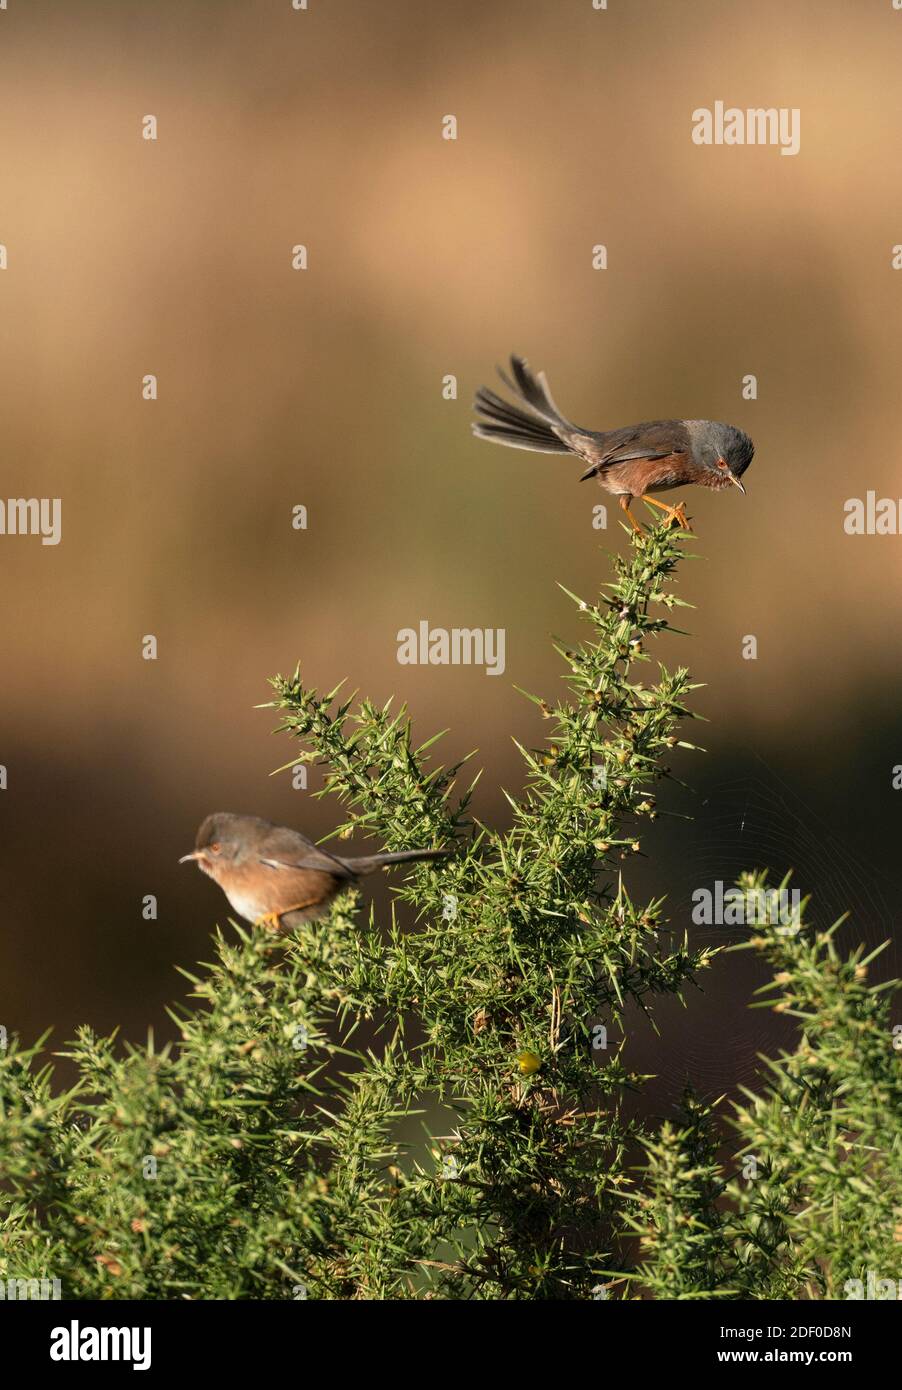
535,427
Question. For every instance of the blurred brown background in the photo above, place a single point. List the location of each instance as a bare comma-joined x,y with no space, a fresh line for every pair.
323,388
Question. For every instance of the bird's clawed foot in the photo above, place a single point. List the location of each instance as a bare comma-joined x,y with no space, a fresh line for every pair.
675,515
271,920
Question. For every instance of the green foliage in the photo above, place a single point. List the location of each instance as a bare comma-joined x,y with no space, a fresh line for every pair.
827,1130
177,1172
681,1227
815,1193
278,1149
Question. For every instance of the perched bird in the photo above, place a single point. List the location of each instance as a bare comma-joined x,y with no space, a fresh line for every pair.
634,461
276,876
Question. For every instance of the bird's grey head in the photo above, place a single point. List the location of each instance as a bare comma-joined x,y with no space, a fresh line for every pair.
223,839
723,451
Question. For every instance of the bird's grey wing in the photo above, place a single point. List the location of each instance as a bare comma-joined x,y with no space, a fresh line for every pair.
655,439
289,849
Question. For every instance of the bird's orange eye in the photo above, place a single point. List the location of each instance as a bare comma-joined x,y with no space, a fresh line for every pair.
216,848
721,463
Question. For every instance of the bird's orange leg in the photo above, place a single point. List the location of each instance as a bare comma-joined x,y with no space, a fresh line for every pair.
625,499
273,920
676,514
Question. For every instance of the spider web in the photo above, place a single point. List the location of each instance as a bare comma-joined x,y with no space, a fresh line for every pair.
754,821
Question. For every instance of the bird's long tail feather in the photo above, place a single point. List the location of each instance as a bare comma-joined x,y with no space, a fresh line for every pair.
535,427
370,862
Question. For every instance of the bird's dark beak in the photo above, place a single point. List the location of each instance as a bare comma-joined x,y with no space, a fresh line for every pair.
589,473
734,479
195,854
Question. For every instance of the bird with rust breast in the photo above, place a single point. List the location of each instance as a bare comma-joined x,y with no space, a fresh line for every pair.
276,876
634,461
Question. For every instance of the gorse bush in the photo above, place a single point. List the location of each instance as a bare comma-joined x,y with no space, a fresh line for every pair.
275,1150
